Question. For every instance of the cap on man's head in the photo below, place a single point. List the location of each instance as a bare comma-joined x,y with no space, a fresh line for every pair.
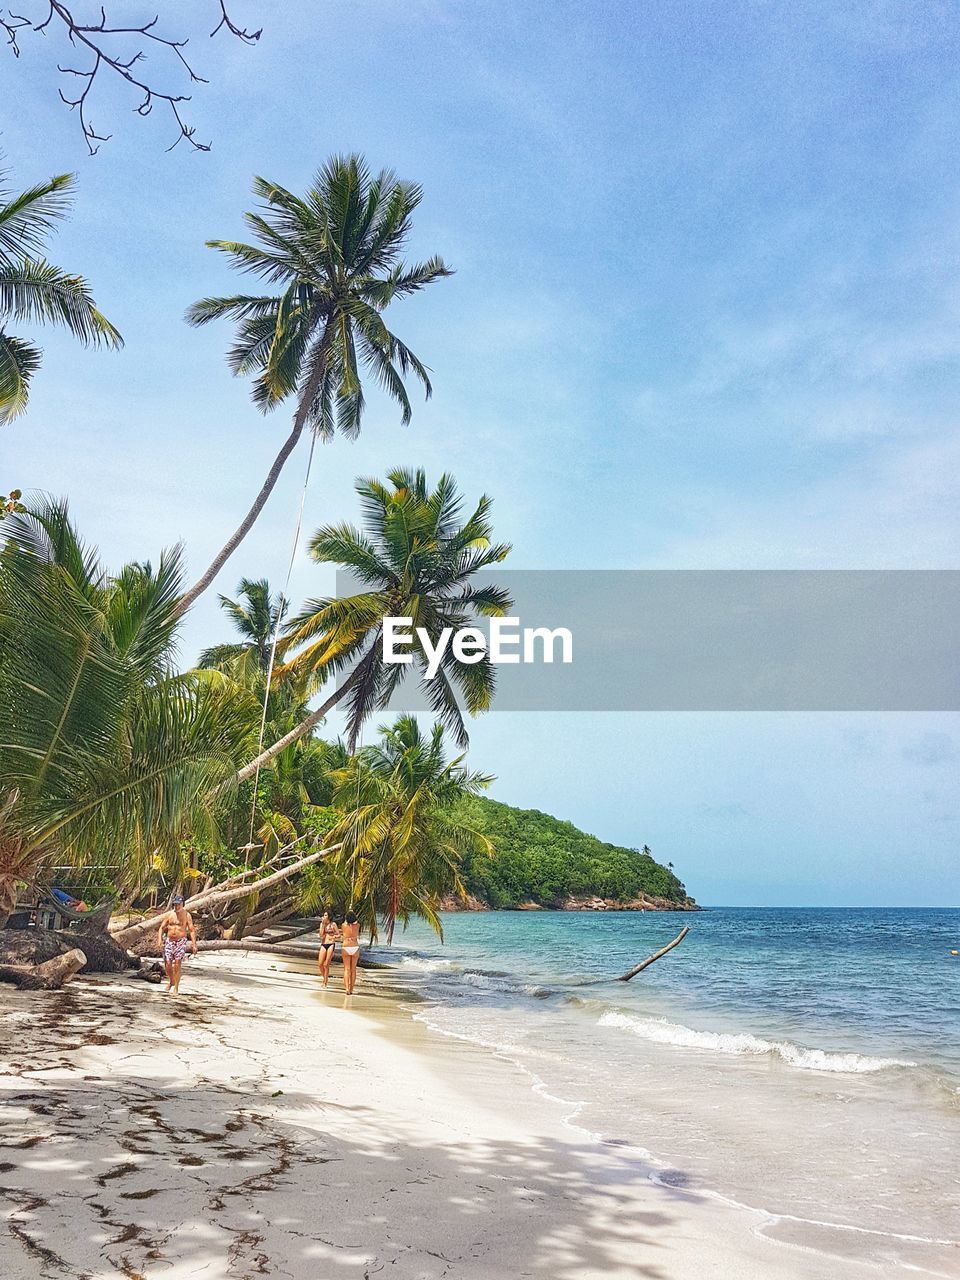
178,901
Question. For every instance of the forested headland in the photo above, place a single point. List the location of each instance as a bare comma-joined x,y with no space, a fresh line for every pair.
550,863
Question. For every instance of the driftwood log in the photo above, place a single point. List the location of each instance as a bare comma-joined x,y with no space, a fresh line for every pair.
279,949
140,937
41,953
638,968
46,976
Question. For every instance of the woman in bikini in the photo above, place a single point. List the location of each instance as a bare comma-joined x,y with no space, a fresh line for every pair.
350,951
328,940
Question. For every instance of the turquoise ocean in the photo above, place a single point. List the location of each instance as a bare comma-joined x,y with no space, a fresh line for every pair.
804,1062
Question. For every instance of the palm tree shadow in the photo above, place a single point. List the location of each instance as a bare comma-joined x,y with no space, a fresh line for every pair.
128,1175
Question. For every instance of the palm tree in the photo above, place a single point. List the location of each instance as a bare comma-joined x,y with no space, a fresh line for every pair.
256,621
336,253
33,290
402,842
106,754
416,558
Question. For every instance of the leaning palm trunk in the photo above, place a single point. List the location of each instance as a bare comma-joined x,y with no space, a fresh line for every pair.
296,733
136,935
299,422
227,550
336,254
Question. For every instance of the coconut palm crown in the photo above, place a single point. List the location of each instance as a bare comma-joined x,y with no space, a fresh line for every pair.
255,617
417,556
335,256
401,835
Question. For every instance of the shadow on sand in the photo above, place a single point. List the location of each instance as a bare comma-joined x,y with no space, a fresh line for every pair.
137,1176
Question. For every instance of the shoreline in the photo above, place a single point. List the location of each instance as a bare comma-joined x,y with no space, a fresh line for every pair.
586,902
257,1125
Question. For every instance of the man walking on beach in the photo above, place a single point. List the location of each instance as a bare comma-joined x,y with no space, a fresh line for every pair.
176,924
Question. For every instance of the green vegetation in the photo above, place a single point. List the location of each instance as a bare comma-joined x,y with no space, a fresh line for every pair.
107,754
118,765
415,557
543,860
138,776
336,253
404,835
129,773
34,291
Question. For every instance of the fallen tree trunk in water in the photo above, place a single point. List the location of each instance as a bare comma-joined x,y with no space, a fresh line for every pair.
47,976
638,968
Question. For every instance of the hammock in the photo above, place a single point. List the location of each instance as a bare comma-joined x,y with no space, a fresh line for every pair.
95,918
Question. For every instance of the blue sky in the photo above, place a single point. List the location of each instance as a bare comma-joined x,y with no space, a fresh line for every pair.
706,315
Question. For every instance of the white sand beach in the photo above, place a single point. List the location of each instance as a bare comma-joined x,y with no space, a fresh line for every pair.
257,1126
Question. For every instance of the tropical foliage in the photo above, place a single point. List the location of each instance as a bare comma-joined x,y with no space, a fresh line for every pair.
335,254
115,761
270,807
256,619
390,808
112,761
107,755
416,557
543,860
34,291
403,838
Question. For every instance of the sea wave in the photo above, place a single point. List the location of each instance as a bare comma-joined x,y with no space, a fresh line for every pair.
510,1048
488,980
661,1031
424,964
451,977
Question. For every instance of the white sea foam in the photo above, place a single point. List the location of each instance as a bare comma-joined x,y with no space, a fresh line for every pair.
507,1047
424,964
497,982
477,978
660,1031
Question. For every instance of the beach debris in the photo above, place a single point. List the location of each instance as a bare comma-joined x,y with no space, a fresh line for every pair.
638,968
140,937
28,954
46,976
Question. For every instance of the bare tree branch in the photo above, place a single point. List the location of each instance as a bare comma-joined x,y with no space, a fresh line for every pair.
248,37
109,51
12,25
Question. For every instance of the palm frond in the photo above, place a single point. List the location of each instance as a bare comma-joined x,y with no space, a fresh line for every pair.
19,361
38,291
336,252
240,306
27,219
